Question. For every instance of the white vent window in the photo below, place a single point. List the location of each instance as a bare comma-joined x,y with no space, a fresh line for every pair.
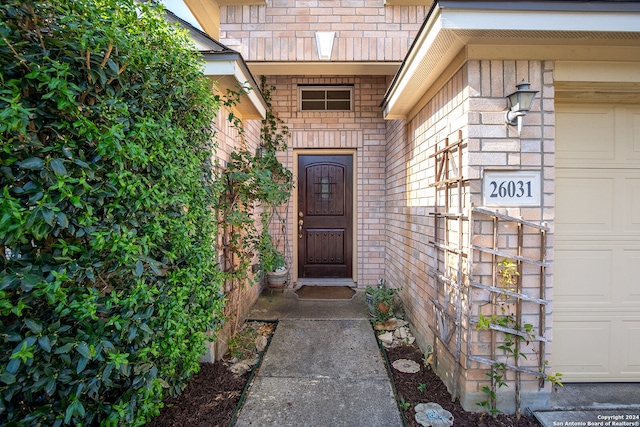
325,98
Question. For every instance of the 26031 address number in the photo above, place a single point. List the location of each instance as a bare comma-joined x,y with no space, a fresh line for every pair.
512,188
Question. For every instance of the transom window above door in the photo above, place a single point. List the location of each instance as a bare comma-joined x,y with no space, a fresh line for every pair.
325,98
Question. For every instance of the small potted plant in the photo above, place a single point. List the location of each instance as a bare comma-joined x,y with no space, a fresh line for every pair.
272,263
380,300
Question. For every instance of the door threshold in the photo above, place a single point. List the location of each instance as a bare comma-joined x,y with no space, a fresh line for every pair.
326,282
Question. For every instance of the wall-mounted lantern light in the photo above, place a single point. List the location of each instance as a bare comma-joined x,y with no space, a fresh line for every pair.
520,102
324,44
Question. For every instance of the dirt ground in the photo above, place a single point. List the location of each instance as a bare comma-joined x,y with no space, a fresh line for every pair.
213,394
209,400
407,389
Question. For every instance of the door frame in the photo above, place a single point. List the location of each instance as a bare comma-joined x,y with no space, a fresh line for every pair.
294,198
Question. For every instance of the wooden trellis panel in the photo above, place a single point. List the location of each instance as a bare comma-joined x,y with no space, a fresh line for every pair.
449,251
535,233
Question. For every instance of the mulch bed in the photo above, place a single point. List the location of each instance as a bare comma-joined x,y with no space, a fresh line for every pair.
211,398
435,391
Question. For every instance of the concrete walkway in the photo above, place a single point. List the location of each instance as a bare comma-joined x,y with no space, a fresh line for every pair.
593,404
322,368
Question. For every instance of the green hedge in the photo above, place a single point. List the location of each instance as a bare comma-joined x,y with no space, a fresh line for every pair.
108,280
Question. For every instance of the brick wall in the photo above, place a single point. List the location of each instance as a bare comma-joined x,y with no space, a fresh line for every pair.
411,198
240,297
362,129
470,105
284,30
494,146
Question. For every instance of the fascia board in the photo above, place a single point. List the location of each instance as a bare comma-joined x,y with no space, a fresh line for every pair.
253,92
399,93
540,21
430,55
218,67
180,9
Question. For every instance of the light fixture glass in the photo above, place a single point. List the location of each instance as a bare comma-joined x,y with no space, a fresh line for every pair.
324,44
520,102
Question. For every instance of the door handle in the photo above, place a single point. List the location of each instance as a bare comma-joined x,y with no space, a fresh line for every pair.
300,224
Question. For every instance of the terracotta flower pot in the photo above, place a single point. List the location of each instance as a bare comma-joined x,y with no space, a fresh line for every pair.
383,307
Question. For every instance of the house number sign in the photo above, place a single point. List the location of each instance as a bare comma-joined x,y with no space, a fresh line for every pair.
511,188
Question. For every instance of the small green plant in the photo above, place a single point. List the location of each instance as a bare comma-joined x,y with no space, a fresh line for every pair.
382,300
422,387
555,380
427,359
242,345
508,278
271,259
497,376
404,405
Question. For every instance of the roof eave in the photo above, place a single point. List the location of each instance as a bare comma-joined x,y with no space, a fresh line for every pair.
227,67
448,30
231,73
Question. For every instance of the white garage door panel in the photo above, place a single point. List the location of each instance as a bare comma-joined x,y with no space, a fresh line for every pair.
630,348
587,203
598,201
629,288
584,133
606,350
597,243
585,276
632,204
575,354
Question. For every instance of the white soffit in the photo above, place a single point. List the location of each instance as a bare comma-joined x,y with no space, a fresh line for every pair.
231,76
447,31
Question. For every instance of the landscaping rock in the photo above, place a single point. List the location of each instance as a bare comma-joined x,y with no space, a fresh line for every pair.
406,366
261,343
240,368
401,333
390,325
386,338
433,415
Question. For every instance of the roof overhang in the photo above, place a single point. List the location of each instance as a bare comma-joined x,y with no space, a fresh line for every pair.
228,70
231,73
455,30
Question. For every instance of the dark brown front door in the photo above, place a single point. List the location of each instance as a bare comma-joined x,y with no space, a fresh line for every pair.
325,209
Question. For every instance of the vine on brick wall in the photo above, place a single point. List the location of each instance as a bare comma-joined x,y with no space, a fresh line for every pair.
251,187
510,346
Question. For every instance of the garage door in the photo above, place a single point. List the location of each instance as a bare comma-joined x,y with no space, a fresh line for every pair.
596,329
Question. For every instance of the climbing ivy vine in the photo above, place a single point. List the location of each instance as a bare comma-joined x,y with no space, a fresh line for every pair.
252,186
